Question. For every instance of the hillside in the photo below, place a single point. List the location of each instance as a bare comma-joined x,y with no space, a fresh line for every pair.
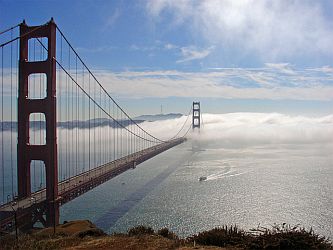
92,123
159,117
84,235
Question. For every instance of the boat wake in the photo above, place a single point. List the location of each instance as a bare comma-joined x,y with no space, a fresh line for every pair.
227,172
224,170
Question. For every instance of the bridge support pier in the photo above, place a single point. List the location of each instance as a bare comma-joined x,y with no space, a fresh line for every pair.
25,151
196,115
52,213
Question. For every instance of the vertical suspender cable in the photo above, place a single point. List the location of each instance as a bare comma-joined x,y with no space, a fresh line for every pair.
89,121
76,120
71,145
41,165
104,137
2,139
70,122
100,127
121,135
109,138
83,119
114,134
126,134
94,147
60,130
117,136
107,147
67,128
32,91
16,95
59,118
103,130
11,113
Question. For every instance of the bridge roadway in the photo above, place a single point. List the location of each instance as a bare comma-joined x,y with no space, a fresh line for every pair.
79,184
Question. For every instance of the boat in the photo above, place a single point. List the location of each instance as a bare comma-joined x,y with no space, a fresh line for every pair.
202,178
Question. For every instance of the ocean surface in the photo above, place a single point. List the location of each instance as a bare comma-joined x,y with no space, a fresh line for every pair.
262,169
250,187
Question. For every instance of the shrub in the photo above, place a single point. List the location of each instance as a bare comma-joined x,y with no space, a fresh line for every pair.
287,237
140,230
279,237
95,232
221,237
166,233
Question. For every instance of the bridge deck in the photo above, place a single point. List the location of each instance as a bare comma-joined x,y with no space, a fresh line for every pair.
77,185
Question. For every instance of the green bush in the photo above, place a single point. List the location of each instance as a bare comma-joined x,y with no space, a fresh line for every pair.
287,237
166,233
221,237
140,230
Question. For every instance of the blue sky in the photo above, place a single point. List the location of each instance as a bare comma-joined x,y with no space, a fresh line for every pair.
258,56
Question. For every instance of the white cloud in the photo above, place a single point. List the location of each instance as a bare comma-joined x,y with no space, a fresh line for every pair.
156,47
169,46
101,49
282,67
193,53
187,53
266,83
111,20
325,69
143,48
230,83
273,29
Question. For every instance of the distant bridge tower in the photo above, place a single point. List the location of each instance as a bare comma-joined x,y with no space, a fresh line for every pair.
27,152
196,115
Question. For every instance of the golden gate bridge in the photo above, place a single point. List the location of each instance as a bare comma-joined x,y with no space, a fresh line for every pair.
62,133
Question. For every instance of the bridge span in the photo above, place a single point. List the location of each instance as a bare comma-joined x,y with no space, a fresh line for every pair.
69,133
26,212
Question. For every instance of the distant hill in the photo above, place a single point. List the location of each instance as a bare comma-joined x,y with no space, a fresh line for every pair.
98,122
158,117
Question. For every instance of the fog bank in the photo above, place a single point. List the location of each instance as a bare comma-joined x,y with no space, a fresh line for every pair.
252,129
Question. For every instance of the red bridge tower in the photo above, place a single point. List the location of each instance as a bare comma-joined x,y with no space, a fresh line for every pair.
196,115
25,151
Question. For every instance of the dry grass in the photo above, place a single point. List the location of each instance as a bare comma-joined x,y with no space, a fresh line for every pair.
67,235
148,242
80,228
39,242
84,235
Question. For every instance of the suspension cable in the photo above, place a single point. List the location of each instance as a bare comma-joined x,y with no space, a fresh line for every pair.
4,31
21,36
188,115
95,102
69,44
108,96
98,105
100,86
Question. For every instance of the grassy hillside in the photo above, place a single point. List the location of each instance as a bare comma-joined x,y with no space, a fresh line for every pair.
85,235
